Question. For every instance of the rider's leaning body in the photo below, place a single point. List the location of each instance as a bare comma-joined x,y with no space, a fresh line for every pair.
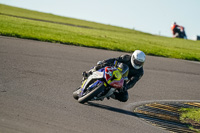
135,63
134,74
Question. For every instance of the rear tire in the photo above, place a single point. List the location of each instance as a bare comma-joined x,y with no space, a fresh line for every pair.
91,94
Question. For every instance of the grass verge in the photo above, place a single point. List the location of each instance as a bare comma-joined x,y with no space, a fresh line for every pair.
191,116
28,24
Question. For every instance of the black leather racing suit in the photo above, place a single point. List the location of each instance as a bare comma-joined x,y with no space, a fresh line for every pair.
133,76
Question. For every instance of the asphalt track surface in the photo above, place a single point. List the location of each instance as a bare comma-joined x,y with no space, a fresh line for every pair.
37,80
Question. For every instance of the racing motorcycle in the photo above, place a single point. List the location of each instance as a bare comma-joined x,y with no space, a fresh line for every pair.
102,83
180,33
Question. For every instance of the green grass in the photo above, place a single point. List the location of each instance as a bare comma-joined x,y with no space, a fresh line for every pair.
190,113
191,116
52,28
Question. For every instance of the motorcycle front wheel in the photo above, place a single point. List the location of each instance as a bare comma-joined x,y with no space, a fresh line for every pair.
91,94
75,93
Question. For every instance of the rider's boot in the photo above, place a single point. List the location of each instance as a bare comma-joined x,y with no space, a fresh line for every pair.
112,96
121,96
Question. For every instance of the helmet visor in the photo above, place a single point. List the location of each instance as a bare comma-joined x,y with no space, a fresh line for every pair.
138,63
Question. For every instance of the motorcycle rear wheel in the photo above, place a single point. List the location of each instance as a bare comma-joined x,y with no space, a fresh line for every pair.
91,94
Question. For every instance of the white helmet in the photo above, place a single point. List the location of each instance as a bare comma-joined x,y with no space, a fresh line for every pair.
138,59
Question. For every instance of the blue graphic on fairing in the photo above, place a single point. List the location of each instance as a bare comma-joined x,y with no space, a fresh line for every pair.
101,70
90,87
94,85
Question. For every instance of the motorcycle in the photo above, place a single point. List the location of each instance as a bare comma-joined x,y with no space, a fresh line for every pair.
102,83
180,33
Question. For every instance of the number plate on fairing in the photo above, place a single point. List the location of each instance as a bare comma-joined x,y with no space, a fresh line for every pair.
97,75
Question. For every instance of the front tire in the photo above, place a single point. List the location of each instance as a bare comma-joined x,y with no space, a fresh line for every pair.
75,94
91,94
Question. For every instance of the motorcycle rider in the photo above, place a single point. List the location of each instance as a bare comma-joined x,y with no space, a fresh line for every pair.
134,62
178,29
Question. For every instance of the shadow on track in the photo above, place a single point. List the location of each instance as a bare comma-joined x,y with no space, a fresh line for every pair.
111,109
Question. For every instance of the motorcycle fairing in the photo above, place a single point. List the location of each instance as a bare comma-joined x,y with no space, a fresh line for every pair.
117,84
106,73
95,75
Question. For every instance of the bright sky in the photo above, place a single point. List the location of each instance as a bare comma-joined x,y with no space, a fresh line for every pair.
151,16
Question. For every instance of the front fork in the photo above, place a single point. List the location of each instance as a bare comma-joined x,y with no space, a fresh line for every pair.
89,88
101,96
